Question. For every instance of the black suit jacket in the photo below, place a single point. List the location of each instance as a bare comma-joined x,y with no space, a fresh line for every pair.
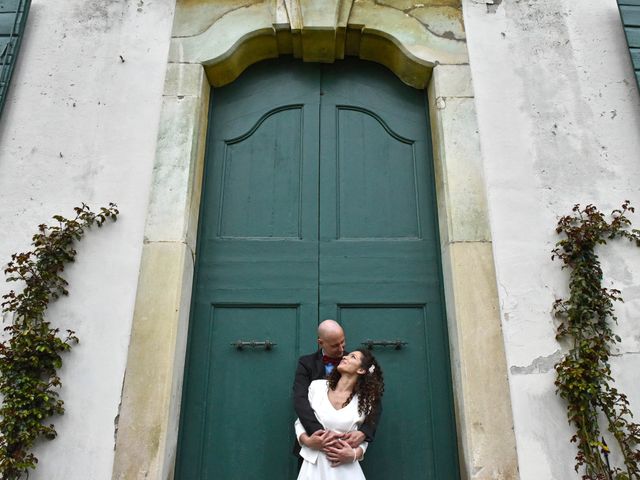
310,368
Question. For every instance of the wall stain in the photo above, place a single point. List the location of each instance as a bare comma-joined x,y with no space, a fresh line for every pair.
447,35
541,364
99,15
493,6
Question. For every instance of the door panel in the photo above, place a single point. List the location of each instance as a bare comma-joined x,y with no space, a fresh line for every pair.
416,433
405,434
261,179
376,172
249,401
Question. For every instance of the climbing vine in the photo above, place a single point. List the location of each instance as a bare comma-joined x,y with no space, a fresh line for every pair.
584,376
30,353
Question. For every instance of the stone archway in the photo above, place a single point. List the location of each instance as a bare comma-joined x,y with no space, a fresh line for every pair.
213,42
408,37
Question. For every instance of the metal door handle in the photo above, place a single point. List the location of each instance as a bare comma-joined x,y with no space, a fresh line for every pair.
241,344
397,344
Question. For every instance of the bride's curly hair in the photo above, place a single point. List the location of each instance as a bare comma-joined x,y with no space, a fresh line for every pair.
369,386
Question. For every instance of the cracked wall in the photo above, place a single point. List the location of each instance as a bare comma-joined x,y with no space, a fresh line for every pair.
80,126
408,37
559,118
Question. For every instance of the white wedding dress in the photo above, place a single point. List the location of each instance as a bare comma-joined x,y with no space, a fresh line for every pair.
316,466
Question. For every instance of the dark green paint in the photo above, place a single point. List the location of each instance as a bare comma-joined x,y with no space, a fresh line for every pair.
318,203
406,446
379,261
256,278
635,58
13,17
633,36
10,5
630,13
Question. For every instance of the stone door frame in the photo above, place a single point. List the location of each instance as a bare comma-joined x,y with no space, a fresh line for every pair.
212,44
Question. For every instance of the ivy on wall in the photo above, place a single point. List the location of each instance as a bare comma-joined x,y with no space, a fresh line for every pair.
584,376
30,354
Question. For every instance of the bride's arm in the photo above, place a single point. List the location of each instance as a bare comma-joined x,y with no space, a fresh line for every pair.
363,448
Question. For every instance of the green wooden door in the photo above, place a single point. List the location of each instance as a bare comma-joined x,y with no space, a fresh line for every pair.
318,202
379,261
256,278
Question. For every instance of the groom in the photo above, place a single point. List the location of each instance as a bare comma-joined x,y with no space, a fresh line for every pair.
319,365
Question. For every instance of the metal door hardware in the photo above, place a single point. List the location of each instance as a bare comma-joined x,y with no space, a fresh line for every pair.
241,344
397,344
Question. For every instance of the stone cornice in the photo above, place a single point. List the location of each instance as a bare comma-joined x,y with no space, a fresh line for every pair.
408,37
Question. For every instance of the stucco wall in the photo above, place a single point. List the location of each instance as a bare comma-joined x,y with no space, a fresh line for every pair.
559,121
81,125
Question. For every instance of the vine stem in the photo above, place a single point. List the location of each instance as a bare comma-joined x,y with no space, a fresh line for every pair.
31,352
584,378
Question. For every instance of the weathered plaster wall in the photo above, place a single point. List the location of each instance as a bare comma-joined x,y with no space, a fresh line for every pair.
559,122
81,125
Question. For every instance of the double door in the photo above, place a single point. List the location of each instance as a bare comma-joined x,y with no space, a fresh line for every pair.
318,203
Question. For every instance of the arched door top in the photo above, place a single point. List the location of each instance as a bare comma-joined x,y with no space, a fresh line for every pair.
406,36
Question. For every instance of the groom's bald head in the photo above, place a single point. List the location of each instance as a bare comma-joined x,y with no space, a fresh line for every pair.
331,338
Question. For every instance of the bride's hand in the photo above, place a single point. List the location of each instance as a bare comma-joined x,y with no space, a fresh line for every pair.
340,452
330,438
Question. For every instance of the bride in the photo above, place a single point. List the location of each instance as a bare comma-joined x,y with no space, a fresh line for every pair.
341,403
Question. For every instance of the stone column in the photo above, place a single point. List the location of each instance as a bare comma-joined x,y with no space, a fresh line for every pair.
147,431
481,390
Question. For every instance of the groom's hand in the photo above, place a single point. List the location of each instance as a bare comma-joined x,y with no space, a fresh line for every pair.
329,438
316,440
354,438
